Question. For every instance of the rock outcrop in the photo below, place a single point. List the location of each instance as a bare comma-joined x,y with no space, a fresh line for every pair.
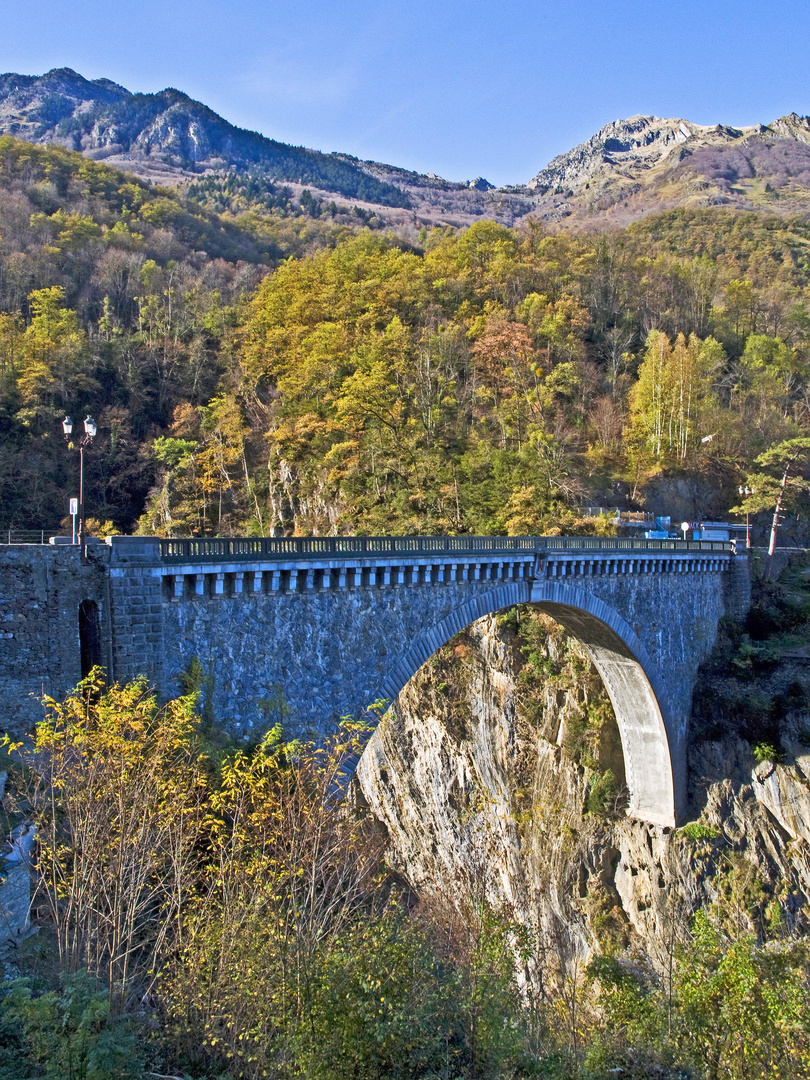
479,771
634,167
640,143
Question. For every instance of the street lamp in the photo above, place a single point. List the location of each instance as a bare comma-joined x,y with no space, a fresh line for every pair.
90,429
746,491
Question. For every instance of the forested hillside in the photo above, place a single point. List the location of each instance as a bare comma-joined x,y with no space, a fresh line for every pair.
257,366
117,298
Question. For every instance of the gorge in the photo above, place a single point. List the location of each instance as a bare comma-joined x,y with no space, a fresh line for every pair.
471,769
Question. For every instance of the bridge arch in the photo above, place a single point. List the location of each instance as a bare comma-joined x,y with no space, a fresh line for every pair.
653,752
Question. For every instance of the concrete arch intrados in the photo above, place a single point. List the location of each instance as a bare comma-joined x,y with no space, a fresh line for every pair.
649,743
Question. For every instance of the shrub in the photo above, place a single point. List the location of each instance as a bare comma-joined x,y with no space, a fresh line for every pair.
768,750
696,830
66,1033
602,795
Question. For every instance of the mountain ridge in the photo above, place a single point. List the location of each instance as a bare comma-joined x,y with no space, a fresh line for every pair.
62,107
625,171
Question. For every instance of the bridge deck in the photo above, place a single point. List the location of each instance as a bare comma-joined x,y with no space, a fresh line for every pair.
283,548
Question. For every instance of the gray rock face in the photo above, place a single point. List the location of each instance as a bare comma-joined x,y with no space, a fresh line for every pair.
15,883
15,901
642,142
464,778
645,164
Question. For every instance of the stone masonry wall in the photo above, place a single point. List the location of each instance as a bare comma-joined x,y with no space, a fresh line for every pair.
40,592
304,659
136,594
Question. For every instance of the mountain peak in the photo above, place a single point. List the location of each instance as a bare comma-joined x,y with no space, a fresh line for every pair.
638,142
29,101
155,134
792,126
644,164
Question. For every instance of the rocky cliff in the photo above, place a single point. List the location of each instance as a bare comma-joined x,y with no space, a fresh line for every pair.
635,145
500,762
633,167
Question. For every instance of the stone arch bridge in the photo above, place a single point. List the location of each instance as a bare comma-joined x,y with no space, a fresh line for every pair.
320,628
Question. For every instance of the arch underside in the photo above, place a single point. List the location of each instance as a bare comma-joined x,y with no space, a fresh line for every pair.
653,755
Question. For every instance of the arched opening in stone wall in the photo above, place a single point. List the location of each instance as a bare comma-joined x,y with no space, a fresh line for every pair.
646,748
89,636
501,746
653,765
511,692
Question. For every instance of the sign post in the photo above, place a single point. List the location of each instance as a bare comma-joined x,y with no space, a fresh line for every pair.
74,510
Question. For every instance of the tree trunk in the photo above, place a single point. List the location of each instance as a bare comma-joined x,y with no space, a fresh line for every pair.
777,511
775,524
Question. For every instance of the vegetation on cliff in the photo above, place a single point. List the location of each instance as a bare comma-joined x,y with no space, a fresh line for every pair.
208,910
755,682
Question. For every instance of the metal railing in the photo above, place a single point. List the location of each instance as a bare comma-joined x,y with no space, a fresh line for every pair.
219,549
340,547
26,536
627,543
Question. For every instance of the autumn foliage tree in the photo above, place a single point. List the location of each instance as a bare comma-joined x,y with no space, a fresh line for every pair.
117,786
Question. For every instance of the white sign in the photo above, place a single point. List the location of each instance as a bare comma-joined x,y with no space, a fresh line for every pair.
74,507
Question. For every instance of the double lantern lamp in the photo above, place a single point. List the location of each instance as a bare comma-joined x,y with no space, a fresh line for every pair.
90,429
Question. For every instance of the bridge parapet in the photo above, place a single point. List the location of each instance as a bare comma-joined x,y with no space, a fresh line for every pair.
267,548
225,566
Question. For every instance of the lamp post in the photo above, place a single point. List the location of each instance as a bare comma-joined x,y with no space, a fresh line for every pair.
86,440
747,491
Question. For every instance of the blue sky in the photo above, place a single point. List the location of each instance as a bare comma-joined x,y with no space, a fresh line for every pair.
461,89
